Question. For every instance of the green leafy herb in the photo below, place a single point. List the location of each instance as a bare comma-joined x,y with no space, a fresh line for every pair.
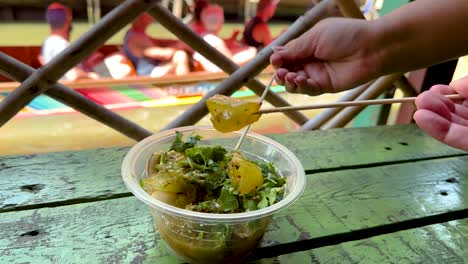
210,165
202,155
206,206
217,176
227,199
268,197
272,179
180,146
196,178
163,158
250,205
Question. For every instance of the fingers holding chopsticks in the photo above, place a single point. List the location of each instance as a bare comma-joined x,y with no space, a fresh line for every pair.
445,120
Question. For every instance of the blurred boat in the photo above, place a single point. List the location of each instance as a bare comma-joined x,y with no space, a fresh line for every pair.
14,10
125,93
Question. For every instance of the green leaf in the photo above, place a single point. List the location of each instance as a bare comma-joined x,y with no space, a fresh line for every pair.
272,195
180,146
163,158
217,177
269,196
263,202
202,155
272,179
192,141
196,156
209,165
209,206
218,154
249,205
228,200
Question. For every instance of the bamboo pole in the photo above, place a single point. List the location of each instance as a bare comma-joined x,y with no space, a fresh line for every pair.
327,114
20,71
40,80
165,18
380,85
242,75
408,91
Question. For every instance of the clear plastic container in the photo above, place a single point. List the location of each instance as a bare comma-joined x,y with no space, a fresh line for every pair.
197,237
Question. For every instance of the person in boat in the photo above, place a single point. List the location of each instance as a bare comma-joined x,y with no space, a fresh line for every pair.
212,18
153,57
197,25
338,54
59,17
256,31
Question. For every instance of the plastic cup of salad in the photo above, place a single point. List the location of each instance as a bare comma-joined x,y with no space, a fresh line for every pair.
216,232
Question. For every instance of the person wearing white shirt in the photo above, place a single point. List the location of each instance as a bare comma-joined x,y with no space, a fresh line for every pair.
59,18
212,18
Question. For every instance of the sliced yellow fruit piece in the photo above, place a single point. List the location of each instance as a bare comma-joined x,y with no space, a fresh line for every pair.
163,182
231,114
245,175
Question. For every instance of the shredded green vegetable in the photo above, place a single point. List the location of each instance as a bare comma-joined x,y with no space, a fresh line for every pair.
212,179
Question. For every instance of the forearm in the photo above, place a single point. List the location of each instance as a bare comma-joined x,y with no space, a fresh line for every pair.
422,33
77,73
159,53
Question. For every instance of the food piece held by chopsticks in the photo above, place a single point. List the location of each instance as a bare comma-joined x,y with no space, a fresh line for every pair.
231,114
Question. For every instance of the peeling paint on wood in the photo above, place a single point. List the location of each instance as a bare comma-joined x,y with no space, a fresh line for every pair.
95,174
121,230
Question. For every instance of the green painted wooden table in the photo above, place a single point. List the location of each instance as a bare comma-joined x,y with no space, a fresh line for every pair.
373,195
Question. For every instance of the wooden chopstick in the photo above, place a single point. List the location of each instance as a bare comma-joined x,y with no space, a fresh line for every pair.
352,103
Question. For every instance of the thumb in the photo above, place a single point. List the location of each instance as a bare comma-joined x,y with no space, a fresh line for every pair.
296,49
461,86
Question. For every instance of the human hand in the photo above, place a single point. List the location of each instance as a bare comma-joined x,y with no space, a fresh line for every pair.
442,118
335,55
234,34
93,75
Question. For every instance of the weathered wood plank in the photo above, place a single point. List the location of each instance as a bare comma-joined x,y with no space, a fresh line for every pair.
120,230
36,179
60,177
439,243
354,199
348,147
442,243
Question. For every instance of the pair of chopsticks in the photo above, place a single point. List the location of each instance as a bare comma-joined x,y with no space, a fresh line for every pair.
267,88
352,103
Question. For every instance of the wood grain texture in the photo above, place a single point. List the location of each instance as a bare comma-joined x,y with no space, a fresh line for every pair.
341,148
121,231
57,177
33,180
438,243
36,179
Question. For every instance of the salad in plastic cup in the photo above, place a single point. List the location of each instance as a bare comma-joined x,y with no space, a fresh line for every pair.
229,225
